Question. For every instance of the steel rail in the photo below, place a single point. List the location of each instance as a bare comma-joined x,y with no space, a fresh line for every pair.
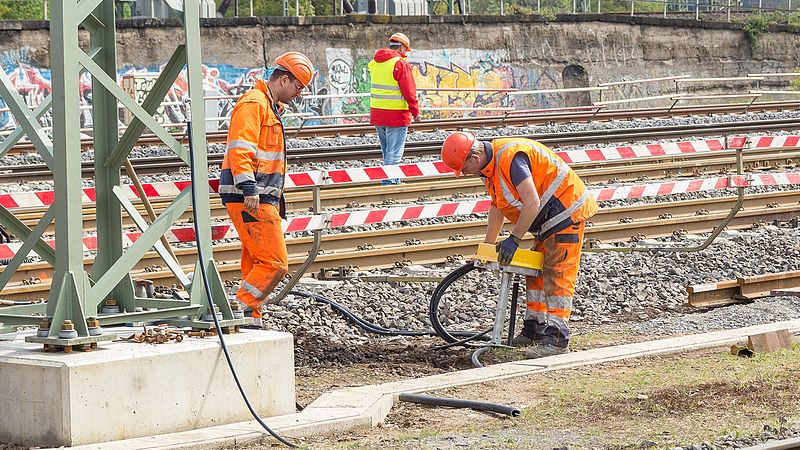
386,247
726,292
490,121
160,165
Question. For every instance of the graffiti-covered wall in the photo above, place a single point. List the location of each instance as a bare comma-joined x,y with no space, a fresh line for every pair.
520,52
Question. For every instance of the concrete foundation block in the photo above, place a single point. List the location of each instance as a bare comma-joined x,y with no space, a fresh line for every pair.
125,390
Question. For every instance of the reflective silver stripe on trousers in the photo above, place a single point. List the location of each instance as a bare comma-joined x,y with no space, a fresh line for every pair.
241,143
558,321
387,97
555,301
252,290
531,314
270,156
260,190
247,176
386,87
558,218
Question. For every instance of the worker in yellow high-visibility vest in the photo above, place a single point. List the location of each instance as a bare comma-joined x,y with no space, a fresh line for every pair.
393,98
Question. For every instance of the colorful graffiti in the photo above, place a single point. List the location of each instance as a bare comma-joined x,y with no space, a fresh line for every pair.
446,68
347,73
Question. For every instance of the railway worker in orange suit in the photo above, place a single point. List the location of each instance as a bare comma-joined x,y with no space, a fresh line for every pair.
534,189
252,178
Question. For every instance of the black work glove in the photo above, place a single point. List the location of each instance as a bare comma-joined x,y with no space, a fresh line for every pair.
506,249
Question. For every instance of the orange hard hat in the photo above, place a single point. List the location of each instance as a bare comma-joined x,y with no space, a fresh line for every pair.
401,38
298,65
455,149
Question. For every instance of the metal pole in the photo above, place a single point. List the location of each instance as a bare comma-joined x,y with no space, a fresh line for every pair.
538,6
729,11
633,2
502,306
574,6
697,9
44,5
502,13
759,6
235,8
152,9
297,8
598,6
252,14
666,2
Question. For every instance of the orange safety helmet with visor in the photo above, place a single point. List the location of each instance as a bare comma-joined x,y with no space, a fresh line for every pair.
455,150
401,39
298,65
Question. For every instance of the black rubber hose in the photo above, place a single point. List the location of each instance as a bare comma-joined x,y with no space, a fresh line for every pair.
213,314
476,362
463,341
371,327
441,288
459,403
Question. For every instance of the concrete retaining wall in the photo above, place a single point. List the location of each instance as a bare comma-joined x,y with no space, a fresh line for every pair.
480,51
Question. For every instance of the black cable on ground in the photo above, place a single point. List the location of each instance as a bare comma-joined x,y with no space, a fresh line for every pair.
463,341
477,354
375,328
213,314
459,403
433,311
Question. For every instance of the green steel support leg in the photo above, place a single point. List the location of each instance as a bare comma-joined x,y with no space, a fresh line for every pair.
199,161
70,283
105,117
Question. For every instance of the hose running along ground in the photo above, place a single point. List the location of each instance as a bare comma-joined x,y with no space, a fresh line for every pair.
460,403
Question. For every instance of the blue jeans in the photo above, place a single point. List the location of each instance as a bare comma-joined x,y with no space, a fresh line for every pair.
393,142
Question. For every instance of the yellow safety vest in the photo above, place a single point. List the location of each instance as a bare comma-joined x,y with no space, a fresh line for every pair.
385,90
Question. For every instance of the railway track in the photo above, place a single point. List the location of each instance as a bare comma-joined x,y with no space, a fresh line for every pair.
167,164
538,118
387,247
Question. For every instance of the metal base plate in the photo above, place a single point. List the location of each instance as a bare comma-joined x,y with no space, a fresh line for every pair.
203,325
511,269
59,342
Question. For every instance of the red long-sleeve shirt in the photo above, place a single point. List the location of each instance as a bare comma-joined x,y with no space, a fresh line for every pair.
408,88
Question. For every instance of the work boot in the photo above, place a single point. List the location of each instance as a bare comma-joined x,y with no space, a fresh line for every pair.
522,340
540,351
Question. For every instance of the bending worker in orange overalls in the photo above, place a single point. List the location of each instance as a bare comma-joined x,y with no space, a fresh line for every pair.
251,182
536,190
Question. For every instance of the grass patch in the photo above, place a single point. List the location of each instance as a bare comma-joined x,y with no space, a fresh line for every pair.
674,401
668,401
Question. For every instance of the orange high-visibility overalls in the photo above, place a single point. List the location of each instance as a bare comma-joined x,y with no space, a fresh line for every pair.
255,163
558,227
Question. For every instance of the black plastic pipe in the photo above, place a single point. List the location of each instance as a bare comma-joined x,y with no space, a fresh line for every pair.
459,403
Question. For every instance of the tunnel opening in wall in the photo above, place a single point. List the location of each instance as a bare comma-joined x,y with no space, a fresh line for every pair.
576,76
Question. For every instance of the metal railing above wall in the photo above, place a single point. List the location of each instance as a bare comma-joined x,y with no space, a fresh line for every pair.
680,81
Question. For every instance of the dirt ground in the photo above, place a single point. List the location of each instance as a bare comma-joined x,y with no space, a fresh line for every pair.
705,396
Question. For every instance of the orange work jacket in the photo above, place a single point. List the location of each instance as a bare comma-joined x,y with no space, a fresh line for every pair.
564,198
255,161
